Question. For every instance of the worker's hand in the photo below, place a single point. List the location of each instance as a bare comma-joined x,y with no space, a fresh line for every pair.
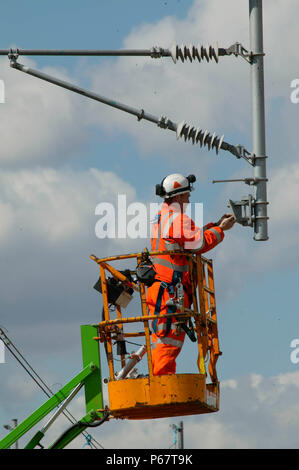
225,216
227,222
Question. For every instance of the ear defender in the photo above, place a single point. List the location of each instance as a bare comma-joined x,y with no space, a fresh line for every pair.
191,178
160,191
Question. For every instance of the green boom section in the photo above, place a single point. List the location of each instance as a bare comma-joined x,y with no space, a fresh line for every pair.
93,383
72,432
90,376
48,406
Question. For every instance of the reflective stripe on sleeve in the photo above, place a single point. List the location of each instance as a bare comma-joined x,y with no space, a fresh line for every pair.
160,228
172,246
168,225
195,246
218,235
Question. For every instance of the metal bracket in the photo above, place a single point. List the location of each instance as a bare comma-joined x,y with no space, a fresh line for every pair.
157,52
238,49
13,55
249,181
140,115
243,210
164,122
243,153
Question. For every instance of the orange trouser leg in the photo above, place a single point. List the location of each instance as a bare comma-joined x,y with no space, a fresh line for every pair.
163,359
163,355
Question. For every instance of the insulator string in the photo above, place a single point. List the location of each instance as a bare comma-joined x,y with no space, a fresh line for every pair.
192,53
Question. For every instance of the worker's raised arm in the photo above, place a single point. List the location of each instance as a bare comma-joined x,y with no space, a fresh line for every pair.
196,239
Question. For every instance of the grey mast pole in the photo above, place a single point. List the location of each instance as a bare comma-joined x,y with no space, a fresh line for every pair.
181,436
258,117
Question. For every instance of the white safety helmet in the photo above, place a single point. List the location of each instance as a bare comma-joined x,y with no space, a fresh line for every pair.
175,184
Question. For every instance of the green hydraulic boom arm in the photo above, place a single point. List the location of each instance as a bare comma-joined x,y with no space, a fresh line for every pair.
90,378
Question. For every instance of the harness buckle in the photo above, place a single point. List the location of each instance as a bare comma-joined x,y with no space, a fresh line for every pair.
178,328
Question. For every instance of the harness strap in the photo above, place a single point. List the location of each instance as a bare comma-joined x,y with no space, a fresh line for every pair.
162,288
170,309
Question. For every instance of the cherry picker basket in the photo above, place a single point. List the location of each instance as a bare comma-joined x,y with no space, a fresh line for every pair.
157,396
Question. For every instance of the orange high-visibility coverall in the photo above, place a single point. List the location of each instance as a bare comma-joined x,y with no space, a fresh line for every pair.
173,230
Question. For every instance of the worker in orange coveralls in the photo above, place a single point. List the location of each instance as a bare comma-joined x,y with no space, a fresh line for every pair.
174,230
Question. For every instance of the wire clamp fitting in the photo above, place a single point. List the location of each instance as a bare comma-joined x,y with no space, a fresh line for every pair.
140,115
163,122
240,152
13,55
156,52
238,50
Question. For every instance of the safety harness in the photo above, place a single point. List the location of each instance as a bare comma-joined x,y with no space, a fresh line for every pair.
176,278
170,309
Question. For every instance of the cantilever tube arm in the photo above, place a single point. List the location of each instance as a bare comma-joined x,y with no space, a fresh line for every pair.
181,129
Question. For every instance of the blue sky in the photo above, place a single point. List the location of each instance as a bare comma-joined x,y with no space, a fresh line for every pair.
61,155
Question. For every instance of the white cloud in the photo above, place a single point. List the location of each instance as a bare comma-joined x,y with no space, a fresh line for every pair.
19,388
256,380
288,379
55,204
230,383
283,191
39,121
7,219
